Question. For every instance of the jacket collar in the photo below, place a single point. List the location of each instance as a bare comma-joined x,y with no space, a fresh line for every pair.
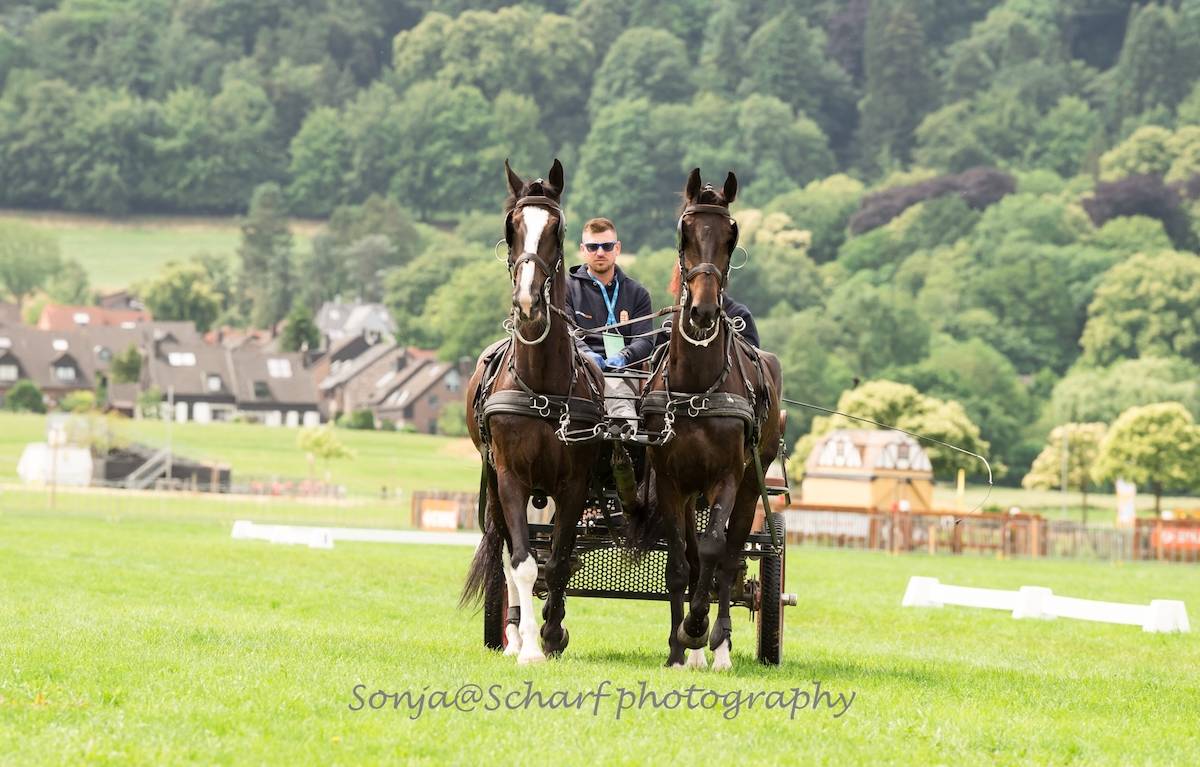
580,272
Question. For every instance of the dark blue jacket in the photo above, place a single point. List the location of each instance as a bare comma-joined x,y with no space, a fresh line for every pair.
733,309
587,307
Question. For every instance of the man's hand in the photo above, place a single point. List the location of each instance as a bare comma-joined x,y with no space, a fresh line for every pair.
615,362
594,357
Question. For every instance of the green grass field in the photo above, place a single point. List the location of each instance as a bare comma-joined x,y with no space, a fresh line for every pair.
119,252
150,637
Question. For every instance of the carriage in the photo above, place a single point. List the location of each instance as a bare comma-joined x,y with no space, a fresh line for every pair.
708,413
602,567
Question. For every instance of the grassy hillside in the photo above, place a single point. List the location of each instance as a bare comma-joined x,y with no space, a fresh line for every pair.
398,461
175,644
119,252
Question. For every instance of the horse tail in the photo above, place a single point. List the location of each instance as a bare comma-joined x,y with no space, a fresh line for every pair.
487,556
644,523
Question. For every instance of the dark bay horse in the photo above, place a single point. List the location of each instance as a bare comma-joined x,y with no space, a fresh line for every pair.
524,401
720,397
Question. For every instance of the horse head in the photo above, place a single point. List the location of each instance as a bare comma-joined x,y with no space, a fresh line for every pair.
533,228
707,236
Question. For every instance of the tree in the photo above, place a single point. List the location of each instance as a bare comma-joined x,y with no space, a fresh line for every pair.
321,443
823,208
789,63
1081,442
321,153
464,314
642,63
181,292
69,285
899,86
127,365
1146,152
1064,137
1156,445
266,255
25,397
784,151
28,257
1102,394
626,186
722,63
299,330
1146,74
1148,305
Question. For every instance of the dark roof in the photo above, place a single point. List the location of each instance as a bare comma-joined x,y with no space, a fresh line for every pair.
287,379
415,386
185,368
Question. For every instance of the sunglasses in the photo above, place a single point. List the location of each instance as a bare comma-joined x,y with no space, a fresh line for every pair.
607,247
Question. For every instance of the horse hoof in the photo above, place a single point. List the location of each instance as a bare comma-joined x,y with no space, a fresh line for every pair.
696,660
721,659
689,641
554,649
529,658
514,640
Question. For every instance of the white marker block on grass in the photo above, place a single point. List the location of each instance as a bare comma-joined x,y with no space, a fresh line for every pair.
1160,616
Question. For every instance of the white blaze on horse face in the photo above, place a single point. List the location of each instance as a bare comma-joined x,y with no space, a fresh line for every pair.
535,223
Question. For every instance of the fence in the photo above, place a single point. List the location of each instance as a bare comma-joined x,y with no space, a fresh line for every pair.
1004,535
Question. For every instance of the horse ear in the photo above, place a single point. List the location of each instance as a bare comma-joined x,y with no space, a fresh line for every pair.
556,175
730,188
693,184
515,184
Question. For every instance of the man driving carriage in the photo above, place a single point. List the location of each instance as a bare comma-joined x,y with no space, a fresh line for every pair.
599,293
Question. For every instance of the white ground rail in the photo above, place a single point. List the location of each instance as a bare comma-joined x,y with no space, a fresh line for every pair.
323,537
1161,615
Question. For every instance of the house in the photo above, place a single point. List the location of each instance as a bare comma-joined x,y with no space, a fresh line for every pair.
57,363
337,321
363,381
207,382
869,468
418,399
275,388
59,317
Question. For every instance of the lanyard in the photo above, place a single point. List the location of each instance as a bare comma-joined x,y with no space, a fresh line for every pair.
610,305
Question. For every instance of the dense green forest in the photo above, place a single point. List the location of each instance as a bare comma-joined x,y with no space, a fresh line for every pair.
992,202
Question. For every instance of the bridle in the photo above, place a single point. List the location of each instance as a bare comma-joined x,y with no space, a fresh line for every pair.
526,256
687,275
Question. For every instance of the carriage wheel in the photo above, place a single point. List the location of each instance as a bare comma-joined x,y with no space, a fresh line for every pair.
770,614
495,610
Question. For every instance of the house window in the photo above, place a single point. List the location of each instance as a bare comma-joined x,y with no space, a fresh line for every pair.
82,318
181,359
261,390
277,367
214,382
8,372
64,372
103,353
453,380
60,344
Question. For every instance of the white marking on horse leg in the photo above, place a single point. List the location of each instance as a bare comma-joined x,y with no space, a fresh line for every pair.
525,575
510,631
696,659
721,660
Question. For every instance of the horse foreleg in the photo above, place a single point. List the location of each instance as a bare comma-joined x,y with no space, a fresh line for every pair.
740,522
711,546
514,498
568,506
677,567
